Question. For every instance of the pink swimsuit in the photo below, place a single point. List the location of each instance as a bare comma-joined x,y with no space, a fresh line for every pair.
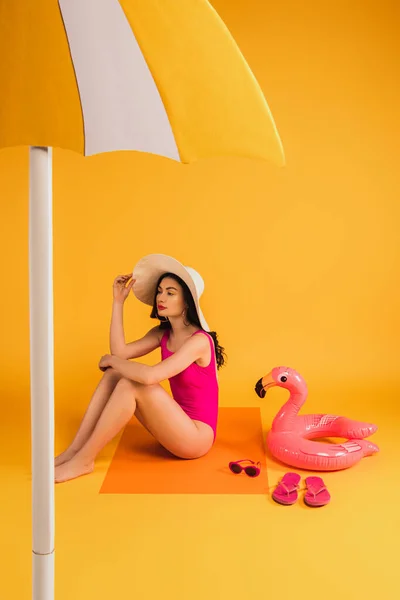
196,388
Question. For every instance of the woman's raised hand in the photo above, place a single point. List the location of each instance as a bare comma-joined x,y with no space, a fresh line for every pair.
120,289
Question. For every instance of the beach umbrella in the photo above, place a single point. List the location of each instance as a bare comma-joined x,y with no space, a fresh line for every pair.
157,76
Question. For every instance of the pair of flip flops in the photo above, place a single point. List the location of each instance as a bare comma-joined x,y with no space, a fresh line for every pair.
286,492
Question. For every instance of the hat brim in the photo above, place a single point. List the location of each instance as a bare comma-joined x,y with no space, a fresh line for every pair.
148,271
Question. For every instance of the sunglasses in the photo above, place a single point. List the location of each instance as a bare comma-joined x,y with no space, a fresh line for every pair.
252,470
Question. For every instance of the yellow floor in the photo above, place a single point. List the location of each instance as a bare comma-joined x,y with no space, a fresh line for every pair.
226,547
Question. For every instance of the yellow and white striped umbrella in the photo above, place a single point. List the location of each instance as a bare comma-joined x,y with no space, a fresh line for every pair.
157,76
163,77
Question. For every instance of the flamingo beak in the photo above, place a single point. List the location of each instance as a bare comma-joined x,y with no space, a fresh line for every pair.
264,384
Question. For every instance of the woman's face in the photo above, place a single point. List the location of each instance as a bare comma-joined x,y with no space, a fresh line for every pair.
169,300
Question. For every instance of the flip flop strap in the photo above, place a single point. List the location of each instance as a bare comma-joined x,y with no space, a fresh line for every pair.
287,489
321,489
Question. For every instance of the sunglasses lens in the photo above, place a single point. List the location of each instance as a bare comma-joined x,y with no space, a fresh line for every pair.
251,471
235,468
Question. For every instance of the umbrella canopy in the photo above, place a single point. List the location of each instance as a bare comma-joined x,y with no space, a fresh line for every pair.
160,77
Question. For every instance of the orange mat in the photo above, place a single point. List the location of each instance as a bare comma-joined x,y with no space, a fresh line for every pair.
141,466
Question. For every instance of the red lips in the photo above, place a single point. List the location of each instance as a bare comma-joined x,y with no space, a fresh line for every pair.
161,307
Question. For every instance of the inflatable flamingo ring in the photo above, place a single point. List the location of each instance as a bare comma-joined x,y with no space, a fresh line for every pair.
290,438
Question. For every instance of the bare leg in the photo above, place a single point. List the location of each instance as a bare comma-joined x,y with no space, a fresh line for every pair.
93,412
117,412
163,417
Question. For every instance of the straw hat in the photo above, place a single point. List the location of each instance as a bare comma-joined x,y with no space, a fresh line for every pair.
150,268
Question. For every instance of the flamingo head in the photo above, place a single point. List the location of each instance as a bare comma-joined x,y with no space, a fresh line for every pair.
284,377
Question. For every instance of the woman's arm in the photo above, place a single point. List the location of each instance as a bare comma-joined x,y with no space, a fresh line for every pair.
117,336
196,347
135,349
143,346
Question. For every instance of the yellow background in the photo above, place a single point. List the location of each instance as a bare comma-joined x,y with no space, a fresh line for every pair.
301,267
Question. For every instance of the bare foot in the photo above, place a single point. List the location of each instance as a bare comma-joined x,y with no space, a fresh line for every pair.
64,457
72,469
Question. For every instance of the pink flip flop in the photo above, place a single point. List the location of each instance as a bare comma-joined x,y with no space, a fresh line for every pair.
317,494
286,490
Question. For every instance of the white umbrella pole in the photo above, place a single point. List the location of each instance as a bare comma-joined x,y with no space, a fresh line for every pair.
42,370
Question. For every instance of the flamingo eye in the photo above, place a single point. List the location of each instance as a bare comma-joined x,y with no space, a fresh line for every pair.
283,378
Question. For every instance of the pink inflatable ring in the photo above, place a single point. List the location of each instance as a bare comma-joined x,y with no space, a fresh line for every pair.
291,435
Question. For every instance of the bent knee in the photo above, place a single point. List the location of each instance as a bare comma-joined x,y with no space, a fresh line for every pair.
142,388
111,373
138,387
125,383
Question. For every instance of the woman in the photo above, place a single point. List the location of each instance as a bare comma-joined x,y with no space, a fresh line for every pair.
184,424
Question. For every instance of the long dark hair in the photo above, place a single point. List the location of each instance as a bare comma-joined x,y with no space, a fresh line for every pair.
191,316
